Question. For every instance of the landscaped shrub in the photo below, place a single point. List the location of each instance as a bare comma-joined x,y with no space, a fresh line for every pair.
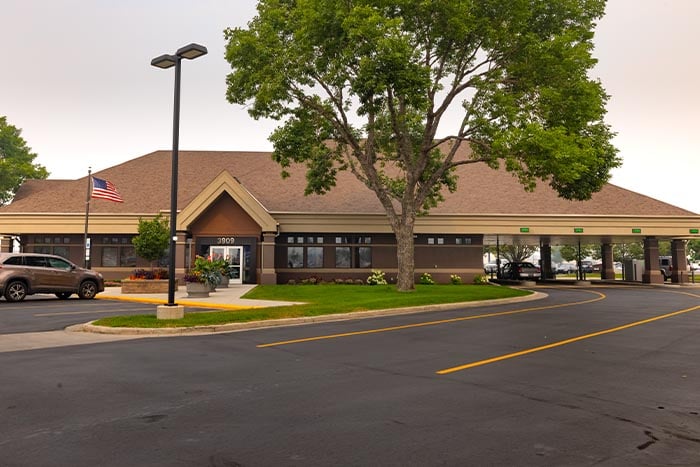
148,274
455,279
376,278
426,279
481,279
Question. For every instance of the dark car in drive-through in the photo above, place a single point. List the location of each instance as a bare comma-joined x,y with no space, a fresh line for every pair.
520,270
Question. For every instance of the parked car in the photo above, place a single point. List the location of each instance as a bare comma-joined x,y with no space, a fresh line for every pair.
565,268
23,274
490,268
666,266
520,270
587,266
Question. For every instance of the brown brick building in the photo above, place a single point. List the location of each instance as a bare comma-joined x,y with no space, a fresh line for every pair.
238,205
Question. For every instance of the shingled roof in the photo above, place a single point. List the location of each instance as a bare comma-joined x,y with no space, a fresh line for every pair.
144,183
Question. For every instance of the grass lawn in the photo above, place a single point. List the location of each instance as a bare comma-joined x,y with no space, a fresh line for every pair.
323,300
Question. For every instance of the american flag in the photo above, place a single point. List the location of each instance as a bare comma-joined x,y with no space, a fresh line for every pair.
106,190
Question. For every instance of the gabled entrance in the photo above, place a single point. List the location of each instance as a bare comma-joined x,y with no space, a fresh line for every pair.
226,221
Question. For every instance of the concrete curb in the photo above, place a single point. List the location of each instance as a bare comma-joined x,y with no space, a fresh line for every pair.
234,327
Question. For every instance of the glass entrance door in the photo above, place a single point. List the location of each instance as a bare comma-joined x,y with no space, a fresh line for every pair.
234,256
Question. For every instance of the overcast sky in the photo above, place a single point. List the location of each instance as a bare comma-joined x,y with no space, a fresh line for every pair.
75,77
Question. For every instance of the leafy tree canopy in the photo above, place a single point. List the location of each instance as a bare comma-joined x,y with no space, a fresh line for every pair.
16,161
383,80
153,239
513,253
694,249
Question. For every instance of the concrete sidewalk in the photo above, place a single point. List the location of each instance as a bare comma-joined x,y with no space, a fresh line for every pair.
224,298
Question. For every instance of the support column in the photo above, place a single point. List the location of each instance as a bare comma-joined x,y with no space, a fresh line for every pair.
268,274
679,261
607,268
546,260
652,273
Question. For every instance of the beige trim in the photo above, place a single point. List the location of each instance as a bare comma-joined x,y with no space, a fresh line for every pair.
226,183
70,223
611,228
614,227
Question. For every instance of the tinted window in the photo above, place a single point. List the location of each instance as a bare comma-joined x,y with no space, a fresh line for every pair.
17,260
58,263
38,261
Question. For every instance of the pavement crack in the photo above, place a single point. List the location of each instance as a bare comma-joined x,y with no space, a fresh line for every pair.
653,439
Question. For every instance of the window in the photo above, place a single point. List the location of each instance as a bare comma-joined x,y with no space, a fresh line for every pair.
59,263
304,256
35,261
110,254
342,257
295,256
431,241
463,241
127,257
61,251
314,257
44,250
364,257
353,255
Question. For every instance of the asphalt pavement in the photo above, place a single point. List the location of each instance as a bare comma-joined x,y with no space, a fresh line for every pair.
587,376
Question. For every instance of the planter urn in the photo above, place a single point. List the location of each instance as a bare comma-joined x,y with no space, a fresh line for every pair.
197,289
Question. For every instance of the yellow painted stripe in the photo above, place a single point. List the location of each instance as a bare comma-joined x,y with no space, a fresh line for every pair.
564,342
600,296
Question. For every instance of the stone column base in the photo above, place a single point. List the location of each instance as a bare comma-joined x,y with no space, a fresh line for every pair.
170,312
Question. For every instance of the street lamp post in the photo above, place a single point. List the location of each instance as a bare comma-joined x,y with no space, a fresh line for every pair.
189,52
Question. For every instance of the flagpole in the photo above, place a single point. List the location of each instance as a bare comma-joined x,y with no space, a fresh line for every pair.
87,214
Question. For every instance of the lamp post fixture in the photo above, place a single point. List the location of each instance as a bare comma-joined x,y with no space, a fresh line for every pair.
189,52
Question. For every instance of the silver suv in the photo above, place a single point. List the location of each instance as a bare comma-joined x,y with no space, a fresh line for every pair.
23,274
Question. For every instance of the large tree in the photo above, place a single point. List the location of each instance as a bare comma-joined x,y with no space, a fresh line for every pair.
16,161
391,89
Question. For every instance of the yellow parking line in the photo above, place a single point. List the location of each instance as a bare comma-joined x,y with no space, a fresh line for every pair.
600,296
564,342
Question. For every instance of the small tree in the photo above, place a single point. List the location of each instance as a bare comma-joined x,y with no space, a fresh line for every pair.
153,239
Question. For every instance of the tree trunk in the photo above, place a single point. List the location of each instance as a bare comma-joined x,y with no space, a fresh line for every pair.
405,256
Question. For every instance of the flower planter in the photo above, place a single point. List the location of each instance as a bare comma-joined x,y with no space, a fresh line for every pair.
224,282
197,289
145,286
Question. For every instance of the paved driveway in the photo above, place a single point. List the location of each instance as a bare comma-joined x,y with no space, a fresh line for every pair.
599,376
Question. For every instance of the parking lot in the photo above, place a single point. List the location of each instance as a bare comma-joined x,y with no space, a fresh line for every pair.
588,376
